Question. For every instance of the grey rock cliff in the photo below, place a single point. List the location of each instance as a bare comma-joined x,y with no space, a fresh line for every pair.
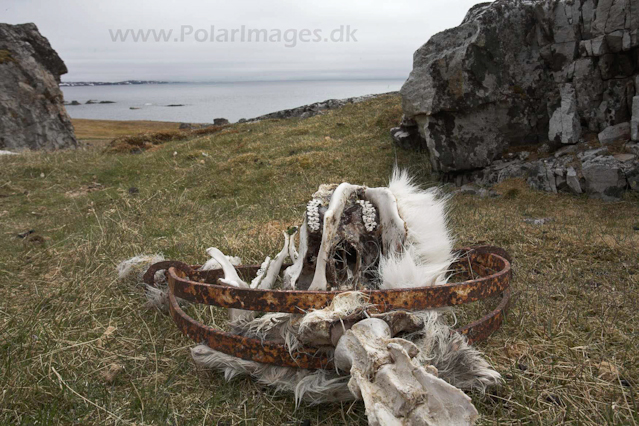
32,114
523,72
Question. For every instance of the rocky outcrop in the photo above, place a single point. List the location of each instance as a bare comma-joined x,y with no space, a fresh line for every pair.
535,73
306,111
32,114
577,169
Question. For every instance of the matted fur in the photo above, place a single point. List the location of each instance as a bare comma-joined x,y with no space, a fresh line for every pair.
314,387
427,253
423,260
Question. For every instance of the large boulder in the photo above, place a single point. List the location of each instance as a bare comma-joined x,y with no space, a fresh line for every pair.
32,114
523,72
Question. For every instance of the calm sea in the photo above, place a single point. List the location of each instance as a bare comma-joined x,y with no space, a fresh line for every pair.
205,101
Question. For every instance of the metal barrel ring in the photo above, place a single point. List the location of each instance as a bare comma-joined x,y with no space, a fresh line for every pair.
491,264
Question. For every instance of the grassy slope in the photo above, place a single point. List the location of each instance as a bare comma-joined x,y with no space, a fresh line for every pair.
109,129
576,277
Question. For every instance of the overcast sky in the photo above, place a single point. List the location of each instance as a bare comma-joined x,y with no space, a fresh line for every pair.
387,34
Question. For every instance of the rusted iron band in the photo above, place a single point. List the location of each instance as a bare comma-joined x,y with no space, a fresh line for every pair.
149,275
298,301
272,353
243,347
485,326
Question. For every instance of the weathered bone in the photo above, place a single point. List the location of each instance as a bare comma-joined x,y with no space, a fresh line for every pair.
365,241
292,252
396,390
331,223
292,273
394,228
271,268
231,278
230,274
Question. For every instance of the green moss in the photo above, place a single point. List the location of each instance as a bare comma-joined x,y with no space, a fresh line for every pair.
5,56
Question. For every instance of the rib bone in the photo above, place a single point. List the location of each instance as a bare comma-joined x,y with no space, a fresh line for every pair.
270,268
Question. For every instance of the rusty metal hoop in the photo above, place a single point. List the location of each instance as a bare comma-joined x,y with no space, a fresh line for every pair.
187,283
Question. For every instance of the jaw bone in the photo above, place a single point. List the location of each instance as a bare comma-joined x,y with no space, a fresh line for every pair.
397,390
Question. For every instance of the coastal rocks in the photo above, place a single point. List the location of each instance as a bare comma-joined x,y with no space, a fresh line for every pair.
603,176
316,108
599,173
567,69
32,114
93,102
195,126
220,121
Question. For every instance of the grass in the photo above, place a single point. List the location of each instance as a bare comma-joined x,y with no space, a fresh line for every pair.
66,323
89,130
5,56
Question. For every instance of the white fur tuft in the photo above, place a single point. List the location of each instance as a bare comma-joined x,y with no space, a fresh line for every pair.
427,254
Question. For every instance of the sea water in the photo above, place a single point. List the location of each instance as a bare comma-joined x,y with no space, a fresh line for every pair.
202,102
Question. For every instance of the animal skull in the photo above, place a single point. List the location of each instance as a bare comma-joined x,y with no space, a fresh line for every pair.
404,366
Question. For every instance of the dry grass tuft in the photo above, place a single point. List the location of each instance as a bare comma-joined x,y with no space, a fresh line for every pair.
568,349
145,141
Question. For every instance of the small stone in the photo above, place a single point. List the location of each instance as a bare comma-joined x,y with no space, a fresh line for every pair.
220,121
624,157
538,222
134,190
569,149
572,180
614,133
469,189
25,234
604,177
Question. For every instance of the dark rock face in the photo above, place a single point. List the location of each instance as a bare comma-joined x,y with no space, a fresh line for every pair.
32,114
523,72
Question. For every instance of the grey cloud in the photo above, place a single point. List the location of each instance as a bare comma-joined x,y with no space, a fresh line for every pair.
387,32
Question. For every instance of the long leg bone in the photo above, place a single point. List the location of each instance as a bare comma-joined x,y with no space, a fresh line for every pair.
331,224
395,389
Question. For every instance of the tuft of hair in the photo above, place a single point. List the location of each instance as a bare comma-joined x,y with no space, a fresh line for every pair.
456,361
314,387
135,267
427,254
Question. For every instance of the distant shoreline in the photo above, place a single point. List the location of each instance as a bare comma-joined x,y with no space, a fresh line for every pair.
107,83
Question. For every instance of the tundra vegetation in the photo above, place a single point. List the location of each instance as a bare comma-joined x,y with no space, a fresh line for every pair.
78,346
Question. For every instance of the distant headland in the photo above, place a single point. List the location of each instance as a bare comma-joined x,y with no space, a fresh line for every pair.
109,83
